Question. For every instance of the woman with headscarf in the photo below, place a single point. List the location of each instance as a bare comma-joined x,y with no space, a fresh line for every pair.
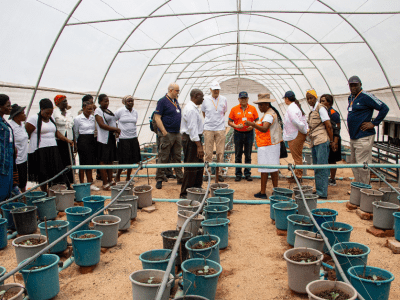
17,122
295,131
44,160
6,149
321,136
268,138
107,132
128,144
64,122
84,127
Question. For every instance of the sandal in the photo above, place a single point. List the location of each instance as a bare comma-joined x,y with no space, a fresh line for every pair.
106,187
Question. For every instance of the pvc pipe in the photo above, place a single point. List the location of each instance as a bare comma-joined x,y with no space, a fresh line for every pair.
328,266
12,235
66,263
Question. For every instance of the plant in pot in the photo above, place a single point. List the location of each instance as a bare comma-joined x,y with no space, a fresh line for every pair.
297,222
277,199
308,239
132,200
204,246
189,205
55,229
86,245
193,226
216,212
95,203
336,232
144,194
25,219
12,291
7,208
330,290
146,283
311,201
108,225
196,194
218,227
282,211
46,208
28,245
227,193
123,211
322,215
169,238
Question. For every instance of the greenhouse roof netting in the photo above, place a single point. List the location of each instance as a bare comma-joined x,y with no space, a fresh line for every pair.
135,47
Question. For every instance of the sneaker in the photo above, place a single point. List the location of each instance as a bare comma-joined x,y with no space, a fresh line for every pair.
248,178
238,178
332,182
94,188
220,178
261,196
159,185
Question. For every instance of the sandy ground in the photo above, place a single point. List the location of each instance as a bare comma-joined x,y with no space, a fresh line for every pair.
253,263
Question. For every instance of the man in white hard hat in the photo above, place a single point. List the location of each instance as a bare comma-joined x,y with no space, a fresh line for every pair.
214,108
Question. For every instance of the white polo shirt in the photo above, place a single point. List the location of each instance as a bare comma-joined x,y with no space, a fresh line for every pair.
214,110
127,122
83,125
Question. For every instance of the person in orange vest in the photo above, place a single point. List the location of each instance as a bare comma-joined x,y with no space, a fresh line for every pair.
268,138
243,135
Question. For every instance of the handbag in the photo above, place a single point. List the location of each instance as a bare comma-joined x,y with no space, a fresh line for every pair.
284,153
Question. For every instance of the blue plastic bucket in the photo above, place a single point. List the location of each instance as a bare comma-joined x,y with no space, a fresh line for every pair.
205,286
227,193
32,196
294,224
282,192
86,250
46,207
3,233
76,215
281,211
218,201
397,225
157,260
219,228
95,203
2,272
276,199
7,208
43,283
211,253
369,289
323,218
55,229
335,236
216,212
82,190
346,260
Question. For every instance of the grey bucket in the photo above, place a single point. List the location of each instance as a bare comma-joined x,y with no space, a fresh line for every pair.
383,214
367,197
307,189
143,291
189,205
308,239
131,185
193,226
56,188
145,197
311,202
216,186
110,231
64,199
389,195
355,194
195,194
117,188
123,211
132,200
14,287
319,286
24,251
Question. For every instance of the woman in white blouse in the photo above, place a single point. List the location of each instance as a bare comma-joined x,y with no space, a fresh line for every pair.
44,160
128,144
107,132
84,126
64,122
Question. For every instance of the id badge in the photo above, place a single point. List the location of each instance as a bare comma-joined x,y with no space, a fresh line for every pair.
177,110
350,108
244,119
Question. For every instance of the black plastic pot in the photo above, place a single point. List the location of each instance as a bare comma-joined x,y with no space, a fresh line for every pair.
169,238
25,219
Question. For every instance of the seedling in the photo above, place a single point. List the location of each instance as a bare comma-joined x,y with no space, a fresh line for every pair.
334,295
201,243
150,280
2,293
374,277
204,271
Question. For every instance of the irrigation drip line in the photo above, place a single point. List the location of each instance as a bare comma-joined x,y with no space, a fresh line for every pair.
337,264
171,262
45,249
35,187
382,178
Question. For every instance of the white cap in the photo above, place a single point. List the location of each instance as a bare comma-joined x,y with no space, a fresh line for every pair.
215,85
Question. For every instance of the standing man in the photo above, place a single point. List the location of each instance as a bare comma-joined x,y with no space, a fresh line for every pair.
243,135
361,128
168,119
192,131
214,108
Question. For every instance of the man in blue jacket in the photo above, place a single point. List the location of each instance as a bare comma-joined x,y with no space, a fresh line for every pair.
361,128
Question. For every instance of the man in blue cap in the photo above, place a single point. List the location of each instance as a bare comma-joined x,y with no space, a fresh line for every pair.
361,129
243,135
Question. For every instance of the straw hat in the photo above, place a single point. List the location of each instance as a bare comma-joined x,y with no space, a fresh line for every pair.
264,98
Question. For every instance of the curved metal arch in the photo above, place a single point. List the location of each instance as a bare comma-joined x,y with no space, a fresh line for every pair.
370,48
49,54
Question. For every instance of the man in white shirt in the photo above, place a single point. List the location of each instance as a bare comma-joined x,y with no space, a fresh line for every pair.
214,108
192,130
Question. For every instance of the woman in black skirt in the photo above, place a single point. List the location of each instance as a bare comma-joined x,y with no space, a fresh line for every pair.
44,160
107,132
128,145
84,126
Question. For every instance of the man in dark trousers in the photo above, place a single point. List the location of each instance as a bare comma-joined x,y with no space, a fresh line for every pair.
168,119
192,131
361,129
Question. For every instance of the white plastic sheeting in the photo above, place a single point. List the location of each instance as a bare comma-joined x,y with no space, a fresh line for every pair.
135,47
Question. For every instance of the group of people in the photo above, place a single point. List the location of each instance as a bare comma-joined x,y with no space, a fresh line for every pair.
102,137
97,134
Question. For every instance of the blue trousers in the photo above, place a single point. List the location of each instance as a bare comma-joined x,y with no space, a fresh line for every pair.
320,154
243,144
6,184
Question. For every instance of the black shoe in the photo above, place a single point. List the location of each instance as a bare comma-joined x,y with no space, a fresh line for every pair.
248,178
261,196
179,182
324,198
165,179
205,178
159,185
220,178
183,197
238,178
171,176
